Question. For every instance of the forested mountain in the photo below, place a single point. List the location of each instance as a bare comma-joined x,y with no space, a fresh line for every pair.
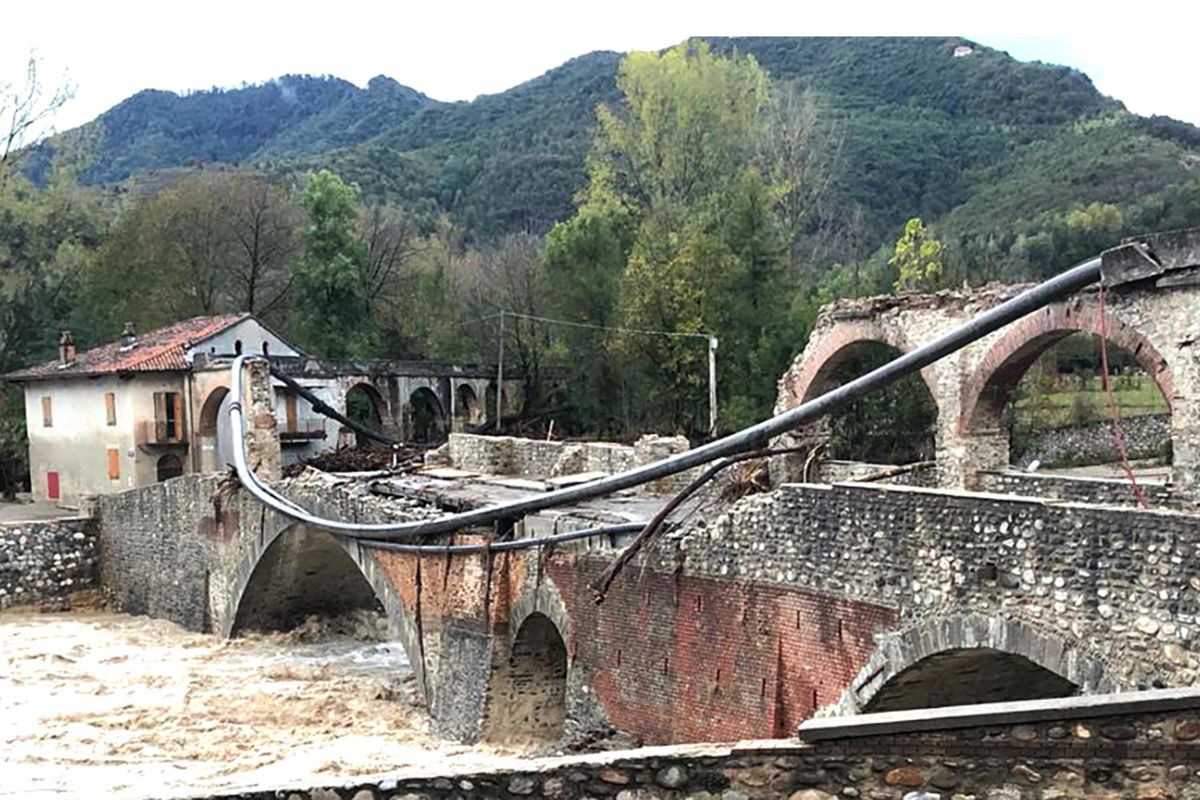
277,121
982,143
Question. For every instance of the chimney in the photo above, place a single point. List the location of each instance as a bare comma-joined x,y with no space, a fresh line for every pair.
128,337
66,349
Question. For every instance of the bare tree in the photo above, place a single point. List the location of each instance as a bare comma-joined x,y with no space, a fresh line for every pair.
390,240
24,107
801,154
263,225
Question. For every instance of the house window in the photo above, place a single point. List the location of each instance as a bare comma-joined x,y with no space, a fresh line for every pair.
114,464
168,417
110,408
47,413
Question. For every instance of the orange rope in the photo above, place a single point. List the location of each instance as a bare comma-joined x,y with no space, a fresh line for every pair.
1114,420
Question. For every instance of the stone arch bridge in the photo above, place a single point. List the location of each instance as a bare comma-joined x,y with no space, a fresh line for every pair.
754,616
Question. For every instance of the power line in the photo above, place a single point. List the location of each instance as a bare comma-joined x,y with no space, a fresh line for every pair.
592,326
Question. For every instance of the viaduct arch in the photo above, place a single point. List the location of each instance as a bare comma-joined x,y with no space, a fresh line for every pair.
1156,325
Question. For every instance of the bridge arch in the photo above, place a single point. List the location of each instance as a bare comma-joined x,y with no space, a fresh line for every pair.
533,683
313,571
815,370
213,434
988,389
901,425
366,405
1012,659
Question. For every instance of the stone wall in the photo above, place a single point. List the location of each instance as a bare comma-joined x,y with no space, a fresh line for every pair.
1106,491
46,560
1100,595
533,458
1146,437
1125,747
837,471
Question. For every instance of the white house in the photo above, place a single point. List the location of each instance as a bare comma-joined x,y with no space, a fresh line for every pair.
148,407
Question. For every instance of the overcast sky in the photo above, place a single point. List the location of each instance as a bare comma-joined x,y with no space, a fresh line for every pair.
454,50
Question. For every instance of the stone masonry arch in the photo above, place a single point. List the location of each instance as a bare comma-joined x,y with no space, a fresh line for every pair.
811,375
226,600
988,388
529,687
901,650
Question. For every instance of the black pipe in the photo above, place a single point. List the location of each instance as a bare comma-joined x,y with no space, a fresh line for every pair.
753,437
501,547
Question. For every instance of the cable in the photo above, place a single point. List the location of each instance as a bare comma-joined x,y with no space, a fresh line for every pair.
749,438
592,326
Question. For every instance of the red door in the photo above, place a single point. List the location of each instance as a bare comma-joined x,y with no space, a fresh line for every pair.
52,485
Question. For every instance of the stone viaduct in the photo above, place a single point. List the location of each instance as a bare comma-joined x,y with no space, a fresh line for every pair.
759,613
1157,325
413,400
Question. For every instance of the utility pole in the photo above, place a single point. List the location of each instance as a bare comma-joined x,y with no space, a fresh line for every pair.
712,386
500,376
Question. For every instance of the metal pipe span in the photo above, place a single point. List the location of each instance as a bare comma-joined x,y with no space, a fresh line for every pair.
993,319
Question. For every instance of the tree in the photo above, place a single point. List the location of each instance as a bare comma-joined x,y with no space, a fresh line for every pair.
675,174
23,108
917,259
333,317
211,243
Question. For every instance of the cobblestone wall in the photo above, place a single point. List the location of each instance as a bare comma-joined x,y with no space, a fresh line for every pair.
1110,588
1146,437
1054,755
1107,491
46,560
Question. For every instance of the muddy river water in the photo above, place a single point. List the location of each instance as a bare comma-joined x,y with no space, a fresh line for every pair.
96,704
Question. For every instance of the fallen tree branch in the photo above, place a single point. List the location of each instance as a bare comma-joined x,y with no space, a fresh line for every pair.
601,586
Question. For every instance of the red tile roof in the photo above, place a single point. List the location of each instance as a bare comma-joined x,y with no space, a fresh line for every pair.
160,350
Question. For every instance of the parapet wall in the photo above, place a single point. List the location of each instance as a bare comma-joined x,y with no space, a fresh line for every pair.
1079,489
46,560
1122,747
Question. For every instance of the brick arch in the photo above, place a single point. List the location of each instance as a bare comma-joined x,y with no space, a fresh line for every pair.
902,650
400,623
812,372
988,390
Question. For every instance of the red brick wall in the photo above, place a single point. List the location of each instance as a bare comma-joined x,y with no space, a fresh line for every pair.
686,659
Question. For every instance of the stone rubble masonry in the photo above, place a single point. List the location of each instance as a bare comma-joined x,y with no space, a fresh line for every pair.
1081,489
1105,596
1047,753
533,458
41,562
1146,437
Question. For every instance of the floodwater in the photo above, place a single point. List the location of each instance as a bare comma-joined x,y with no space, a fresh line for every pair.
97,704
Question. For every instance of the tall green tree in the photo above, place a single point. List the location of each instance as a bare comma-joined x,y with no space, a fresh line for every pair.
331,300
675,181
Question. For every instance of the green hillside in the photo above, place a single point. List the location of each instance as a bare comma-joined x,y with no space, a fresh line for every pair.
980,145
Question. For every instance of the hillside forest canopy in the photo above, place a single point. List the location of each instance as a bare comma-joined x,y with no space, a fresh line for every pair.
724,188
